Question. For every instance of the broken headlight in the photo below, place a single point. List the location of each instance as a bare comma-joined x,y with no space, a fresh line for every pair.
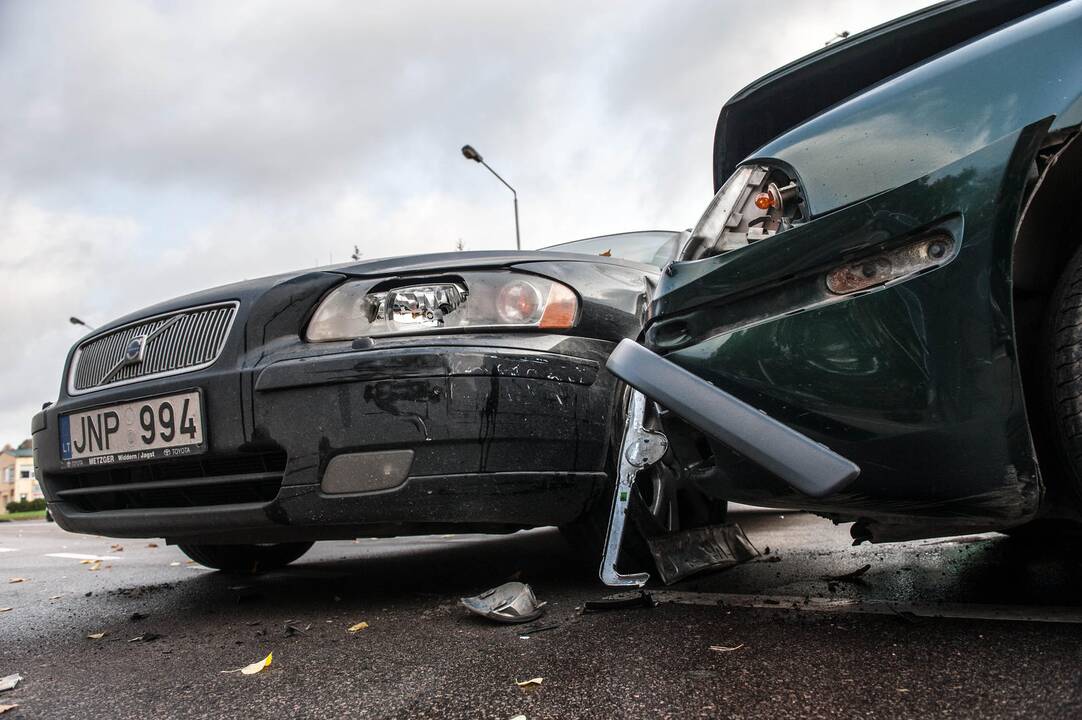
470,301
754,203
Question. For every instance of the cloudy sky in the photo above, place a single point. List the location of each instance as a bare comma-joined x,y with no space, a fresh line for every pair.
152,148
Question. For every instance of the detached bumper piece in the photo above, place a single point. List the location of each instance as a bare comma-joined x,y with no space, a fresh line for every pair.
806,465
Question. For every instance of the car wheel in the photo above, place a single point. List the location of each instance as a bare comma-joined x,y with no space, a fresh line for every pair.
246,558
1063,343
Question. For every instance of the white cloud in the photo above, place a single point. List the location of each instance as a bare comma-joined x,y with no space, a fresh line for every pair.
149,149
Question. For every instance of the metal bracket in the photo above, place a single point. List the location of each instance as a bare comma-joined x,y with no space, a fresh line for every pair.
639,448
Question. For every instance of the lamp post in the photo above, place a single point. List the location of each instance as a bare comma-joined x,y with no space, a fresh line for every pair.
470,154
76,321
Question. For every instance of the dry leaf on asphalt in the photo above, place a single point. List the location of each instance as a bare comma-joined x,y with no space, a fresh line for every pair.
95,565
56,597
722,648
5,708
97,636
254,667
9,682
117,547
6,609
152,545
532,682
13,580
358,627
85,562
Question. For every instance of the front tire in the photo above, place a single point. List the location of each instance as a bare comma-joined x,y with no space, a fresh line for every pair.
249,559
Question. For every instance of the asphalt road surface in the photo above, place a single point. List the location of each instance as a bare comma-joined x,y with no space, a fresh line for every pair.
789,642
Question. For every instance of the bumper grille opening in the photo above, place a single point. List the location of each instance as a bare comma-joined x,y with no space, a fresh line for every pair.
173,484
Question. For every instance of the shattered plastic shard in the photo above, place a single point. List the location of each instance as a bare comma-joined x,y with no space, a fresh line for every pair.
512,602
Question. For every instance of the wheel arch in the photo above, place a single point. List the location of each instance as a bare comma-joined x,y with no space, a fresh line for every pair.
1049,233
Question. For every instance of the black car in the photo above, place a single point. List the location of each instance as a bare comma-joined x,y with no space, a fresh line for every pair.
452,392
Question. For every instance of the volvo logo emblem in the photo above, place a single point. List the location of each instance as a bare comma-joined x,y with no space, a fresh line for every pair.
134,352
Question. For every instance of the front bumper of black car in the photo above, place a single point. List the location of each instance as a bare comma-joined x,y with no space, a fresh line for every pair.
485,433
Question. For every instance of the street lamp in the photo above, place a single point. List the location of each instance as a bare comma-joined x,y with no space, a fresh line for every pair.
76,321
470,154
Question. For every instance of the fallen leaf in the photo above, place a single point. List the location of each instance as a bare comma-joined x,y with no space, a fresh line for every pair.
85,562
9,682
56,597
532,682
5,708
96,565
189,562
6,609
519,717
358,627
152,545
116,547
97,636
722,648
145,637
13,580
254,667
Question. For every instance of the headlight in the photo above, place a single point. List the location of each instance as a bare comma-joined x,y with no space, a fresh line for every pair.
754,203
470,301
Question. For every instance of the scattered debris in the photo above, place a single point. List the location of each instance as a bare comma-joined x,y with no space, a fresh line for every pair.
527,632
152,545
97,636
6,609
87,561
55,597
95,565
8,682
116,547
688,552
531,683
5,708
137,616
146,637
854,576
512,602
255,667
13,580
722,648
357,628
643,599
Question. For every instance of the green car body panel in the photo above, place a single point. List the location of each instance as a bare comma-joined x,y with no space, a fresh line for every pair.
918,382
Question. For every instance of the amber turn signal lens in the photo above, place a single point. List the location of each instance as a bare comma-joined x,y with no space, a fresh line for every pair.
561,308
764,201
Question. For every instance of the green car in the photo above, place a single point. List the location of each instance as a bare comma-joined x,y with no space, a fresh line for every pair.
879,316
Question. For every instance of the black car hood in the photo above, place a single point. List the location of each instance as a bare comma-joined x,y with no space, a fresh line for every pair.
248,291
785,98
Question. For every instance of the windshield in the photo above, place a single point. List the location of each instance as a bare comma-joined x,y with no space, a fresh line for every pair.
654,247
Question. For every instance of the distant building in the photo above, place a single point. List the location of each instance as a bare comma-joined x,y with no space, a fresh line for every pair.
25,483
7,477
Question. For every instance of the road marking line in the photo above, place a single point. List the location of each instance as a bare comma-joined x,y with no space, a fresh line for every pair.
77,556
965,611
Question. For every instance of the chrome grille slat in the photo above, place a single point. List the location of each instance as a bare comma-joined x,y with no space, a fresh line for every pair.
194,341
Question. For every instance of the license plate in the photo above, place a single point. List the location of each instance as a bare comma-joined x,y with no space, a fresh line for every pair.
169,426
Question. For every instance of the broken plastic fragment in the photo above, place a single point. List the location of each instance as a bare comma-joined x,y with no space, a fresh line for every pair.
532,682
8,682
254,667
512,602
358,627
